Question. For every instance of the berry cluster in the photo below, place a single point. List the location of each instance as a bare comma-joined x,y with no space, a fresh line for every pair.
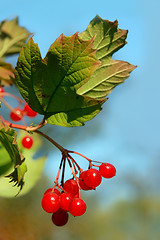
17,114
66,197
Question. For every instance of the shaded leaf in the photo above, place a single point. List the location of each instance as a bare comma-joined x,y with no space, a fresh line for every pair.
108,40
8,140
34,169
12,37
49,85
17,176
5,161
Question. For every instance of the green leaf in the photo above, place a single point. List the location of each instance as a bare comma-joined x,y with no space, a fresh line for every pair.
12,37
6,74
8,140
49,85
34,169
5,161
108,40
17,176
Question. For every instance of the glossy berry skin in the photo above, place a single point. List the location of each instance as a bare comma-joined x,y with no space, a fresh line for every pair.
29,112
71,186
82,183
60,218
92,178
50,202
77,207
27,142
107,170
17,115
1,91
65,200
55,191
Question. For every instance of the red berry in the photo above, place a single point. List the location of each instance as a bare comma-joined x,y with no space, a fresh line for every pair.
1,91
55,191
17,115
27,142
92,178
77,207
60,218
50,202
65,200
28,111
82,183
71,186
107,170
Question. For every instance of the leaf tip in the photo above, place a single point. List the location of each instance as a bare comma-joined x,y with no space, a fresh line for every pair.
60,38
115,23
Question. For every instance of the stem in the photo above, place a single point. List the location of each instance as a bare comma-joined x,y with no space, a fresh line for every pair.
7,105
13,96
27,128
80,169
63,171
64,151
80,155
59,170
74,174
35,129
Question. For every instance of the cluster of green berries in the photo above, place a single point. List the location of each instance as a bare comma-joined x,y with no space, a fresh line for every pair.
66,198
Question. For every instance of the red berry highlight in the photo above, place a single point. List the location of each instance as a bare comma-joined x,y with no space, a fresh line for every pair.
82,183
92,178
27,142
71,186
60,218
107,170
29,112
17,115
50,202
77,207
65,200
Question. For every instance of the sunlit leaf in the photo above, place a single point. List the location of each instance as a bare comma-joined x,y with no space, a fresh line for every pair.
49,85
108,39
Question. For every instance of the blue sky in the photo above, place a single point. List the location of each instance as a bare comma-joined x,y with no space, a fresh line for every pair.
129,133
